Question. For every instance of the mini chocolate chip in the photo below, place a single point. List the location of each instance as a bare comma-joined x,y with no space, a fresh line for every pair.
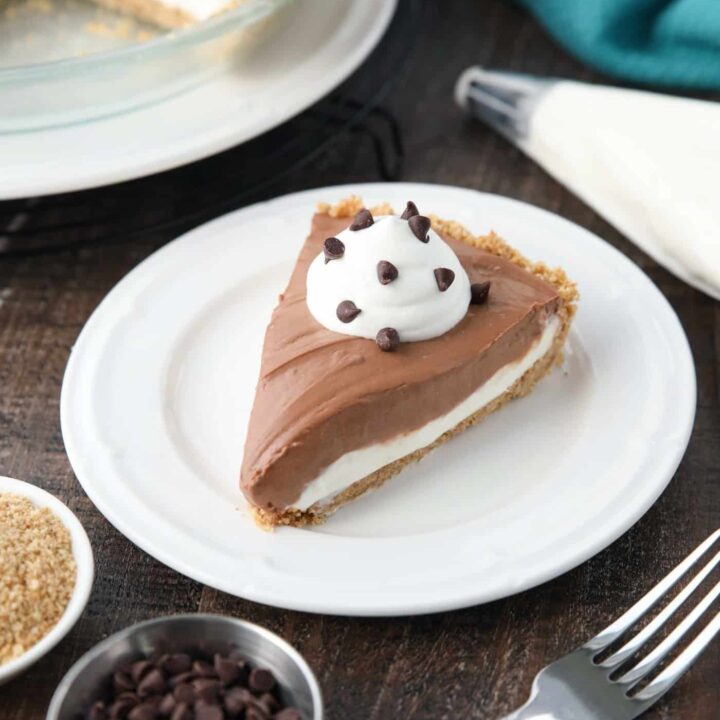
386,272
97,711
227,670
262,680
123,704
207,689
182,678
387,339
201,668
167,705
182,712
122,681
236,700
139,669
206,711
362,220
256,713
269,702
479,292
444,278
420,225
410,211
288,713
128,694
244,676
347,311
177,663
146,711
152,684
184,693
333,248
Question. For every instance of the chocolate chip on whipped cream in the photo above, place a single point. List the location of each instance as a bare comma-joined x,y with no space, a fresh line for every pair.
386,272
387,339
333,249
479,292
410,211
420,290
420,225
347,311
444,278
363,220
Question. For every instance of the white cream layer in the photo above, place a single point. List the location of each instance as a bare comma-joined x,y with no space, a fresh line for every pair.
358,464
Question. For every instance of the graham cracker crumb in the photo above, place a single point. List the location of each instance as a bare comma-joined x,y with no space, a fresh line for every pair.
37,574
350,207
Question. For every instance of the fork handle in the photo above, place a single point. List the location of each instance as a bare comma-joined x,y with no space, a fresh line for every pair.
527,713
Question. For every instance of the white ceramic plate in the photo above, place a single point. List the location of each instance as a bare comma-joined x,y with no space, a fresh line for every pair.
320,45
82,552
159,386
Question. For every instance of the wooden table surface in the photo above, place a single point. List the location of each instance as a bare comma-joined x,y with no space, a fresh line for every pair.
474,663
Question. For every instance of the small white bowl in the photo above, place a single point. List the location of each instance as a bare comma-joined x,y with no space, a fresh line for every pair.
82,552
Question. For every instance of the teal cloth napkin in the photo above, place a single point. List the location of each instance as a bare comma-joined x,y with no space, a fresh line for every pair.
656,42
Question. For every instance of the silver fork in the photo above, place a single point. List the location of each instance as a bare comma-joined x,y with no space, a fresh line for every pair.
579,687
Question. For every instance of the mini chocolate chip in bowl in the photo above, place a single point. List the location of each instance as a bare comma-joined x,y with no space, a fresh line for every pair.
189,667
207,691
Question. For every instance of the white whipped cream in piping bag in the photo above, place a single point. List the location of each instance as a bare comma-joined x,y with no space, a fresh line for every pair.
648,162
412,303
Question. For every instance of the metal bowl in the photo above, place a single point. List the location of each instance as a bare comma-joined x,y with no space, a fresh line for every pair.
209,634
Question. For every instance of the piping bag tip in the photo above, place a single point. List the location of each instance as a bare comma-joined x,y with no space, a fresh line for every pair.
503,100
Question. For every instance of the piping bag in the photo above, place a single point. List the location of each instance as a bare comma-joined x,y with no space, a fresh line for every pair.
648,163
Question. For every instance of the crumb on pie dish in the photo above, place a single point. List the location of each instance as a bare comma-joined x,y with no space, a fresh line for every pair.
170,13
395,333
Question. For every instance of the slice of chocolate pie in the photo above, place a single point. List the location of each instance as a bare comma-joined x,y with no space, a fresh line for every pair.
391,337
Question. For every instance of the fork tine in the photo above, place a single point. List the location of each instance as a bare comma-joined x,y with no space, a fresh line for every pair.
672,673
637,641
658,653
629,618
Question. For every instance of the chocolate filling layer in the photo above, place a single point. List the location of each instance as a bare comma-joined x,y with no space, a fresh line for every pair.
322,394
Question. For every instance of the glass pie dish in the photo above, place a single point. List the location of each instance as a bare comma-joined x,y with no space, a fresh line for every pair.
70,61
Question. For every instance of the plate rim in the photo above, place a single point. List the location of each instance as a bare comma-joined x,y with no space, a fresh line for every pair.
668,466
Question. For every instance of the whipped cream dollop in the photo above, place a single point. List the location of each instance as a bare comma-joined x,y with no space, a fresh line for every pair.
391,279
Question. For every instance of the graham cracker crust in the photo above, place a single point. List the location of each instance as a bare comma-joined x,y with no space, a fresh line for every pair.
150,11
156,12
492,243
